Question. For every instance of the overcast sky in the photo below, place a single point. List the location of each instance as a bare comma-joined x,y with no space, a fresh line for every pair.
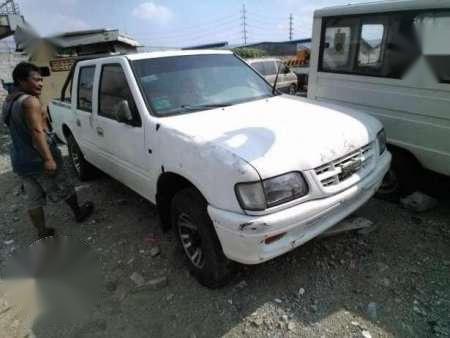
175,22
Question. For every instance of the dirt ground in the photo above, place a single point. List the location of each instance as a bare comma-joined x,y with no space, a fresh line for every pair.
392,282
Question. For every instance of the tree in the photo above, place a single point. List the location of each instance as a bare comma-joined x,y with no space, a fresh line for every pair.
249,53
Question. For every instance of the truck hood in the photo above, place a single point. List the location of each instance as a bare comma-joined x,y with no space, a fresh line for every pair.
279,134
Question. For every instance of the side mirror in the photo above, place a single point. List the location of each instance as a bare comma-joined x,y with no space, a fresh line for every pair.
286,70
123,112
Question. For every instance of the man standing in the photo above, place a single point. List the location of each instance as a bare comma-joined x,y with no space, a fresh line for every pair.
35,156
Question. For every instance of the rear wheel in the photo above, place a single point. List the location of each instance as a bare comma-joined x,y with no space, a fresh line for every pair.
197,237
83,169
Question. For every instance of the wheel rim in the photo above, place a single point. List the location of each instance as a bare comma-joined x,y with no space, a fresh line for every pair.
75,158
191,240
389,184
292,90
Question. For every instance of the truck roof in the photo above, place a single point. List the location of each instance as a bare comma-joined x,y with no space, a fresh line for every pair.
382,7
151,55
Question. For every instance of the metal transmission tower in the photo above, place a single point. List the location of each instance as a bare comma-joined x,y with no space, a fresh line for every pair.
244,25
9,7
291,26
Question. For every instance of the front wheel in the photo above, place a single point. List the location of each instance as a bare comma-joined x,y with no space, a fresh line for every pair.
403,178
83,169
197,237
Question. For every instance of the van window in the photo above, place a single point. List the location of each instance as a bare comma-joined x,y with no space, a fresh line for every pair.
113,91
370,45
85,86
441,67
336,54
433,29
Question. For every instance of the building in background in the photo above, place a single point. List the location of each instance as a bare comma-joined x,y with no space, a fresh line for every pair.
58,53
281,48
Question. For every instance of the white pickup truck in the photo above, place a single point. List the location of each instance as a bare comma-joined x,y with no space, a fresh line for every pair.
241,172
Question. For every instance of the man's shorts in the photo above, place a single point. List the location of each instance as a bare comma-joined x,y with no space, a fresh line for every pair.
40,187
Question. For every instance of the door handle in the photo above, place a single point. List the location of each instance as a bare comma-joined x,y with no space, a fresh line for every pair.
99,131
78,123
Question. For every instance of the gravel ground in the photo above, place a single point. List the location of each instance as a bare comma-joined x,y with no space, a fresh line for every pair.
392,282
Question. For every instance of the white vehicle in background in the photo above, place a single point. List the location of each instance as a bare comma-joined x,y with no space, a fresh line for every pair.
239,172
287,81
390,59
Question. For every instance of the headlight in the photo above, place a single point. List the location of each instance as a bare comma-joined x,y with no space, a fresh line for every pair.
271,192
381,137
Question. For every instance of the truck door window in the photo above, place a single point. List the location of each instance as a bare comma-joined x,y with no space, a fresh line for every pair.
85,86
113,92
371,45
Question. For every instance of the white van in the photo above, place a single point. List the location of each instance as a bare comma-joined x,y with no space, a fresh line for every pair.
268,67
390,59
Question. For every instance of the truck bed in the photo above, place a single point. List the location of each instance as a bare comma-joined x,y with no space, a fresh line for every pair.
60,114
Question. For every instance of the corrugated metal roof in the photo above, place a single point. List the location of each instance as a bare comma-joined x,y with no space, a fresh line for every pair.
89,37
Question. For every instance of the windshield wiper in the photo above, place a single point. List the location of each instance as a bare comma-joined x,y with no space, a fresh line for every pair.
203,106
274,87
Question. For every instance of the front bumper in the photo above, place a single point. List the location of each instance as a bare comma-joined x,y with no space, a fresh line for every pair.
243,237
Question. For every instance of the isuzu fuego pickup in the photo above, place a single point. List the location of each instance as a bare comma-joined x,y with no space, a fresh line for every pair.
241,172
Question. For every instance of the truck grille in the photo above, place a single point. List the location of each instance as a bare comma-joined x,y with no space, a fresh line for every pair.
343,168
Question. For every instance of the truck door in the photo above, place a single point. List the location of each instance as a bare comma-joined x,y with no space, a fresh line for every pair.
119,132
83,108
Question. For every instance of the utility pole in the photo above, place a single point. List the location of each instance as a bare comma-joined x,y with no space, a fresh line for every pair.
244,24
291,26
9,7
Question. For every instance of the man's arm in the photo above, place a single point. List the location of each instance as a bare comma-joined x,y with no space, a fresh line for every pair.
33,116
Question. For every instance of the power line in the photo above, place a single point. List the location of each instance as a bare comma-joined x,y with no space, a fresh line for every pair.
291,26
221,27
244,24
258,26
263,16
9,7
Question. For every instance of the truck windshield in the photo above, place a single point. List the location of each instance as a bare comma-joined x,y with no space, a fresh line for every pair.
188,83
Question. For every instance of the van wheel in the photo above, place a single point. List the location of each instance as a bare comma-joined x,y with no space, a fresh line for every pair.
403,178
292,89
83,169
197,237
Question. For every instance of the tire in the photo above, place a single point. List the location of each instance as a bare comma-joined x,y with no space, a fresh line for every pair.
198,239
404,176
84,170
292,89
